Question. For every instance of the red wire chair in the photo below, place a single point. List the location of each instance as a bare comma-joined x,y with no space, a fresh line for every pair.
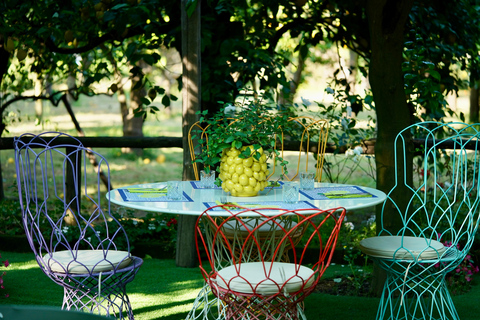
248,273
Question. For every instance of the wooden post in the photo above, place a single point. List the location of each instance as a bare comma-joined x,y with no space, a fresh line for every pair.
191,97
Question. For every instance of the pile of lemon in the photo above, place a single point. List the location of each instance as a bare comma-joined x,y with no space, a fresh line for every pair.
243,177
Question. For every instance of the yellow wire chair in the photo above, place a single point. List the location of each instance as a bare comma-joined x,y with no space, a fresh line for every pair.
311,128
198,132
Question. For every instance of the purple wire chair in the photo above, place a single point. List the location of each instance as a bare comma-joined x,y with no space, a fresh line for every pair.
76,240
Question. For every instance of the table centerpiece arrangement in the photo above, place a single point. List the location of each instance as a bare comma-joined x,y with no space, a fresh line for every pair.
242,147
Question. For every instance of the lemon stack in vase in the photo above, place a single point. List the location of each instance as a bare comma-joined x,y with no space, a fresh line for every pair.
243,177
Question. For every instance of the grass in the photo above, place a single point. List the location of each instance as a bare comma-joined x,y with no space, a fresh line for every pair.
163,291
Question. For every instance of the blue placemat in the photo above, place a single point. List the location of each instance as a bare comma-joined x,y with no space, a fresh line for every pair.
266,204
341,192
198,185
150,196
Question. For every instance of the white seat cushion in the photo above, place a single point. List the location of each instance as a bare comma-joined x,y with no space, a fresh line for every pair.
253,277
404,248
86,261
233,226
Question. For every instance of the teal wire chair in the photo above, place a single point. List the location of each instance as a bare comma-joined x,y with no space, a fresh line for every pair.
438,181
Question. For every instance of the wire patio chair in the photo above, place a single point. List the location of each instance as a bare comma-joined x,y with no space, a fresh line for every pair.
439,215
63,228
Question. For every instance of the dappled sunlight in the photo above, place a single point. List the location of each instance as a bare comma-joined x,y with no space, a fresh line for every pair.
165,304
14,266
170,299
118,167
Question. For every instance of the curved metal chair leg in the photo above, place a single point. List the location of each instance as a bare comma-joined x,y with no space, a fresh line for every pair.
415,293
206,306
107,298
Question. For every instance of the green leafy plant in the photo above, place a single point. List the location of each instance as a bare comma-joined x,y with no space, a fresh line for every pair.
253,124
357,261
149,228
10,217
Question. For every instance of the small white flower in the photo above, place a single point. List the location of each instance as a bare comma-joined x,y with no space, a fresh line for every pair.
349,225
135,222
151,226
371,220
65,229
337,280
358,150
349,153
230,110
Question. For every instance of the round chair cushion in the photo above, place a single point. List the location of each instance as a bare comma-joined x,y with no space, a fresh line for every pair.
403,248
233,226
252,277
87,261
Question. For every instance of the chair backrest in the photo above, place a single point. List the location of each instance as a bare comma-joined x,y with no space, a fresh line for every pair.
313,141
439,180
48,165
250,235
313,135
195,133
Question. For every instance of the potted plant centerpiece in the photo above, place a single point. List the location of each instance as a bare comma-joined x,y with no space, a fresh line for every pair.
241,148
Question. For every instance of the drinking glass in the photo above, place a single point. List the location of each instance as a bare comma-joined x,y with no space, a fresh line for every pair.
174,190
207,179
307,180
290,192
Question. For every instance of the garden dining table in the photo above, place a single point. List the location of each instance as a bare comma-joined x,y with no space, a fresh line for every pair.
195,200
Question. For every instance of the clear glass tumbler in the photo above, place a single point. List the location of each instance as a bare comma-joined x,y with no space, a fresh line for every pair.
174,190
290,192
207,179
307,180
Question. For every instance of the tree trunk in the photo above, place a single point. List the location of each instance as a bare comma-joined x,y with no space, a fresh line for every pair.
4,58
132,125
38,102
386,19
191,97
474,116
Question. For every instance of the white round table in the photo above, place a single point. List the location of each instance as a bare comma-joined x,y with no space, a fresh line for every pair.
198,199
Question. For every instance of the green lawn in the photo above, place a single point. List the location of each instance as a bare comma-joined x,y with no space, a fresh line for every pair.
163,291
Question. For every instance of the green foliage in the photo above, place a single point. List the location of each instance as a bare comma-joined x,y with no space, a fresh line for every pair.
150,228
347,134
89,40
10,217
255,124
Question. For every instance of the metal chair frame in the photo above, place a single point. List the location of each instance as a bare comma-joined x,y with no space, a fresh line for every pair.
252,246
310,128
442,208
43,172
